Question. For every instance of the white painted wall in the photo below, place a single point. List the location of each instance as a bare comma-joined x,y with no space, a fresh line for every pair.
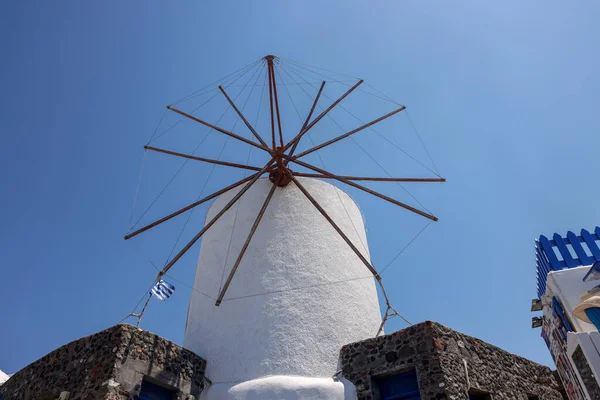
568,285
282,388
3,377
292,332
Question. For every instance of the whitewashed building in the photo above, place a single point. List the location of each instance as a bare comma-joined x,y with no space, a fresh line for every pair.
298,296
563,295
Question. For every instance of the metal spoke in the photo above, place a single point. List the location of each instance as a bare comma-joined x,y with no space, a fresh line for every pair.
279,173
372,179
356,185
195,204
307,128
334,225
246,244
233,135
269,67
276,101
215,219
208,160
243,118
352,132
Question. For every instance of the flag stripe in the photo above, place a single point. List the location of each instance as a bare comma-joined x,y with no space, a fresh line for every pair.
162,290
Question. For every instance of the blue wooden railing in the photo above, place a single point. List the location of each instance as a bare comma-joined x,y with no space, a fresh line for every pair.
546,259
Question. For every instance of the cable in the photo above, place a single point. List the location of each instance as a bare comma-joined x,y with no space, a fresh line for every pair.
137,189
405,247
421,140
168,276
312,66
187,160
138,304
374,130
367,153
237,208
180,282
262,94
228,85
154,265
212,169
217,91
291,84
182,118
217,81
390,310
157,125
364,246
298,288
346,83
325,167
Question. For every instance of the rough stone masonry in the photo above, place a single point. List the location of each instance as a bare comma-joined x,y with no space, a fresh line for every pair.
448,365
111,365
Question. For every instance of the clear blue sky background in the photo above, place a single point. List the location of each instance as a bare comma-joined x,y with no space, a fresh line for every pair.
505,95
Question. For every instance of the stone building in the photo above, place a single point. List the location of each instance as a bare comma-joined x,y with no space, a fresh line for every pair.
429,361
568,290
425,361
268,340
122,362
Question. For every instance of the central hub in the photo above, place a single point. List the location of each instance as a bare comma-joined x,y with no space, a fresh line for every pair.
279,176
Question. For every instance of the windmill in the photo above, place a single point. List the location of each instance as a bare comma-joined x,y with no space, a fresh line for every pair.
283,158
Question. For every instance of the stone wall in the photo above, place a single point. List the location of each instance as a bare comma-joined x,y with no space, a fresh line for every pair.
491,369
110,364
411,348
438,356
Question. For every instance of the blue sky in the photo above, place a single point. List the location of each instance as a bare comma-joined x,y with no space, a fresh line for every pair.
503,94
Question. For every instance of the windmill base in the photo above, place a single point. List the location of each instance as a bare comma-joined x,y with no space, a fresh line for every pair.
282,388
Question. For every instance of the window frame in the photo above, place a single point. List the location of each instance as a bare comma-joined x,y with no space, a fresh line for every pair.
158,384
376,382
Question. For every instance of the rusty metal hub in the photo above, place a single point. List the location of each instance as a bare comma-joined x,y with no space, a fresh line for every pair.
279,175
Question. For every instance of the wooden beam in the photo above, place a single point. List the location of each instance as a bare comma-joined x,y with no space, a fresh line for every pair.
246,244
208,160
365,178
216,128
337,228
256,135
215,219
269,70
352,132
276,104
184,209
320,116
312,109
356,185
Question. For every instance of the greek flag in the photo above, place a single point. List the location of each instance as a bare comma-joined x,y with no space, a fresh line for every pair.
162,290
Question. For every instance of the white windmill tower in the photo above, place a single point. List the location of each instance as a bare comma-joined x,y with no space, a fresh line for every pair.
272,321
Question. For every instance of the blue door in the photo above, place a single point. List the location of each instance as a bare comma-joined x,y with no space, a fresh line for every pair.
399,387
